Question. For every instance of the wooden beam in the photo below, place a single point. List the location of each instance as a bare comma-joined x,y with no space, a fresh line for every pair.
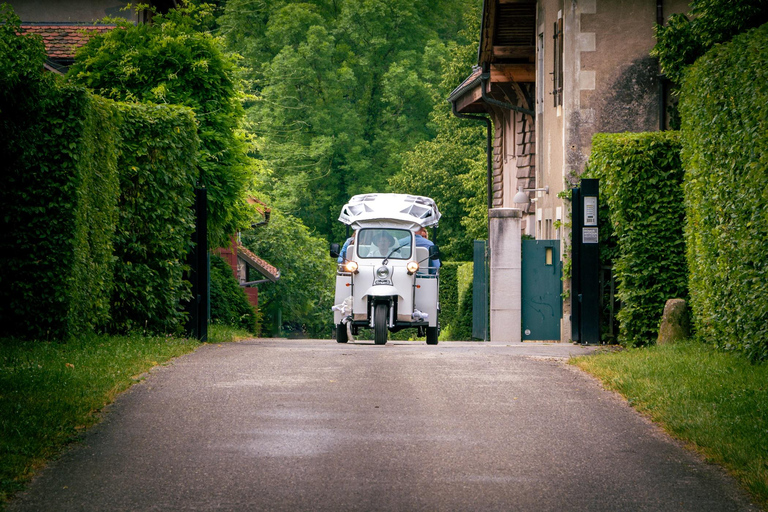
514,52
513,73
502,2
468,99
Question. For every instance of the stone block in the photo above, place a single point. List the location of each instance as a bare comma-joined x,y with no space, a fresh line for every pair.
675,322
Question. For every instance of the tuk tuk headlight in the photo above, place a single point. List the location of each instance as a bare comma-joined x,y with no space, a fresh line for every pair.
412,267
350,266
382,272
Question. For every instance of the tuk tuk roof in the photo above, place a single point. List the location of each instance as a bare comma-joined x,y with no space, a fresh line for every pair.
401,208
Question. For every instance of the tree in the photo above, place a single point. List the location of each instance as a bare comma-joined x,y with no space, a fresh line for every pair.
451,167
342,89
173,60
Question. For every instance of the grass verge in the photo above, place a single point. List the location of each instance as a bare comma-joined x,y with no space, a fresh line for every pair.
716,402
51,392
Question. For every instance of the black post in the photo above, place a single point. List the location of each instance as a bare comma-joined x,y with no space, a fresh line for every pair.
576,264
589,262
197,308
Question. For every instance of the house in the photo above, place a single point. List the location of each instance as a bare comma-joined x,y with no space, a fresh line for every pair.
64,26
549,75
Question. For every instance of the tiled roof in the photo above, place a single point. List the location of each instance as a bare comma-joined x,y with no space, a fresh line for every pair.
61,40
269,271
467,84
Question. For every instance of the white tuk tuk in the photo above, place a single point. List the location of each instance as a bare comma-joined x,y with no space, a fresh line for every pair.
388,273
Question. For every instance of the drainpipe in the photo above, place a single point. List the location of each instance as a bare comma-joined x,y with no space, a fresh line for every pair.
662,78
488,148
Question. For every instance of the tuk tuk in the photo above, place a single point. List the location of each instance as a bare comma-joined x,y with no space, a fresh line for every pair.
388,273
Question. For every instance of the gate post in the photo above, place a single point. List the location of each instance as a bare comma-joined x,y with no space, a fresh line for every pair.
480,290
506,274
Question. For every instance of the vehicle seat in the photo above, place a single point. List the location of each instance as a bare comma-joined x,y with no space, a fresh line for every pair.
422,256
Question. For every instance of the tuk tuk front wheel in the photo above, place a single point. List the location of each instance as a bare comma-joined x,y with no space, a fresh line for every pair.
431,335
380,323
341,333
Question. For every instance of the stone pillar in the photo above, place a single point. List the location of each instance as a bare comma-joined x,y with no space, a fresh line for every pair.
506,274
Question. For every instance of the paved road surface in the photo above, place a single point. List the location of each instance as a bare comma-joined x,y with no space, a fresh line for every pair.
314,425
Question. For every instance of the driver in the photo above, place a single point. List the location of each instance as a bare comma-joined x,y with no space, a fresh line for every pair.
382,245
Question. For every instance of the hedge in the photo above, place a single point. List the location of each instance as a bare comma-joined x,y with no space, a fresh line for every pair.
58,203
456,300
724,107
641,181
158,173
229,303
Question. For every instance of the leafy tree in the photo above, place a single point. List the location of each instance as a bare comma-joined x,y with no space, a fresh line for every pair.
451,168
174,60
342,89
688,37
302,298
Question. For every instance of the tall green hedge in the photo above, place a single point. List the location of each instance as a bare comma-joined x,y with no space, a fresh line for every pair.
158,171
725,152
58,199
641,181
456,301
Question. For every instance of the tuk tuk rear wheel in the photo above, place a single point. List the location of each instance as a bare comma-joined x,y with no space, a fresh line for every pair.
341,333
380,323
431,335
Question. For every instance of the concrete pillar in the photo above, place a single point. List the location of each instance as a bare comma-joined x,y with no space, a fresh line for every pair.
506,274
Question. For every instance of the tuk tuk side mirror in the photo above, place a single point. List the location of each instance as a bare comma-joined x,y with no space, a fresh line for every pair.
434,252
335,250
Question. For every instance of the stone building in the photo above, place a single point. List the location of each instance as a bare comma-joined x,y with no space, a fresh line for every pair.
549,75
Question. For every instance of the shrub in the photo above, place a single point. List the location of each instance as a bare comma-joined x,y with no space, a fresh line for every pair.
640,178
724,107
157,176
229,304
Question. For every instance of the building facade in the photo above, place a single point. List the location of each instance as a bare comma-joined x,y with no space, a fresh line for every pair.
550,74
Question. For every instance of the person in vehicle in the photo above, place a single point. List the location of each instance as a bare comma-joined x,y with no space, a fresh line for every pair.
343,253
422,240
383,244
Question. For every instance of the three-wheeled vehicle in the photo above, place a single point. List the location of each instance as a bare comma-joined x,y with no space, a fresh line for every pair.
388,276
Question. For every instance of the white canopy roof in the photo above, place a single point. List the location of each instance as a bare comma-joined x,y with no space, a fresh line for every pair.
365,209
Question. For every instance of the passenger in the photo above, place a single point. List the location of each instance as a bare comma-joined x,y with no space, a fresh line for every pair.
422,240
343,253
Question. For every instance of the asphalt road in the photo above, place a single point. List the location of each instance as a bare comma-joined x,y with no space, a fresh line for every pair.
315,425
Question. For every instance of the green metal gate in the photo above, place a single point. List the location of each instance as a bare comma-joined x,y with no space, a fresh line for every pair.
542,306
480,291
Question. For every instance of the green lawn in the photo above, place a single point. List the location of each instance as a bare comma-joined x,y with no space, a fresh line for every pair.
51,392
716,402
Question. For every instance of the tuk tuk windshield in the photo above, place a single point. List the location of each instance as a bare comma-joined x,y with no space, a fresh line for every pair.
380,243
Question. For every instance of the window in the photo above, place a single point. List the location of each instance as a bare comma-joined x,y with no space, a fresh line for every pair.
557,74
382,243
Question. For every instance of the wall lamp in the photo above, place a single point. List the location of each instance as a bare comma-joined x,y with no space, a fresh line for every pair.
522,194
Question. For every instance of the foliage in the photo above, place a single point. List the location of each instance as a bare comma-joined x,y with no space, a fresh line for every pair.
687,37
456,301
50,392
451,167
342,90
714,401
229,303
724,135
58,202
640,176
157,176
302,298
174,60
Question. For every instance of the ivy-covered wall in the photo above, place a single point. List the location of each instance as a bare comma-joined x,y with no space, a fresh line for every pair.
158,172
641,182
724,108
